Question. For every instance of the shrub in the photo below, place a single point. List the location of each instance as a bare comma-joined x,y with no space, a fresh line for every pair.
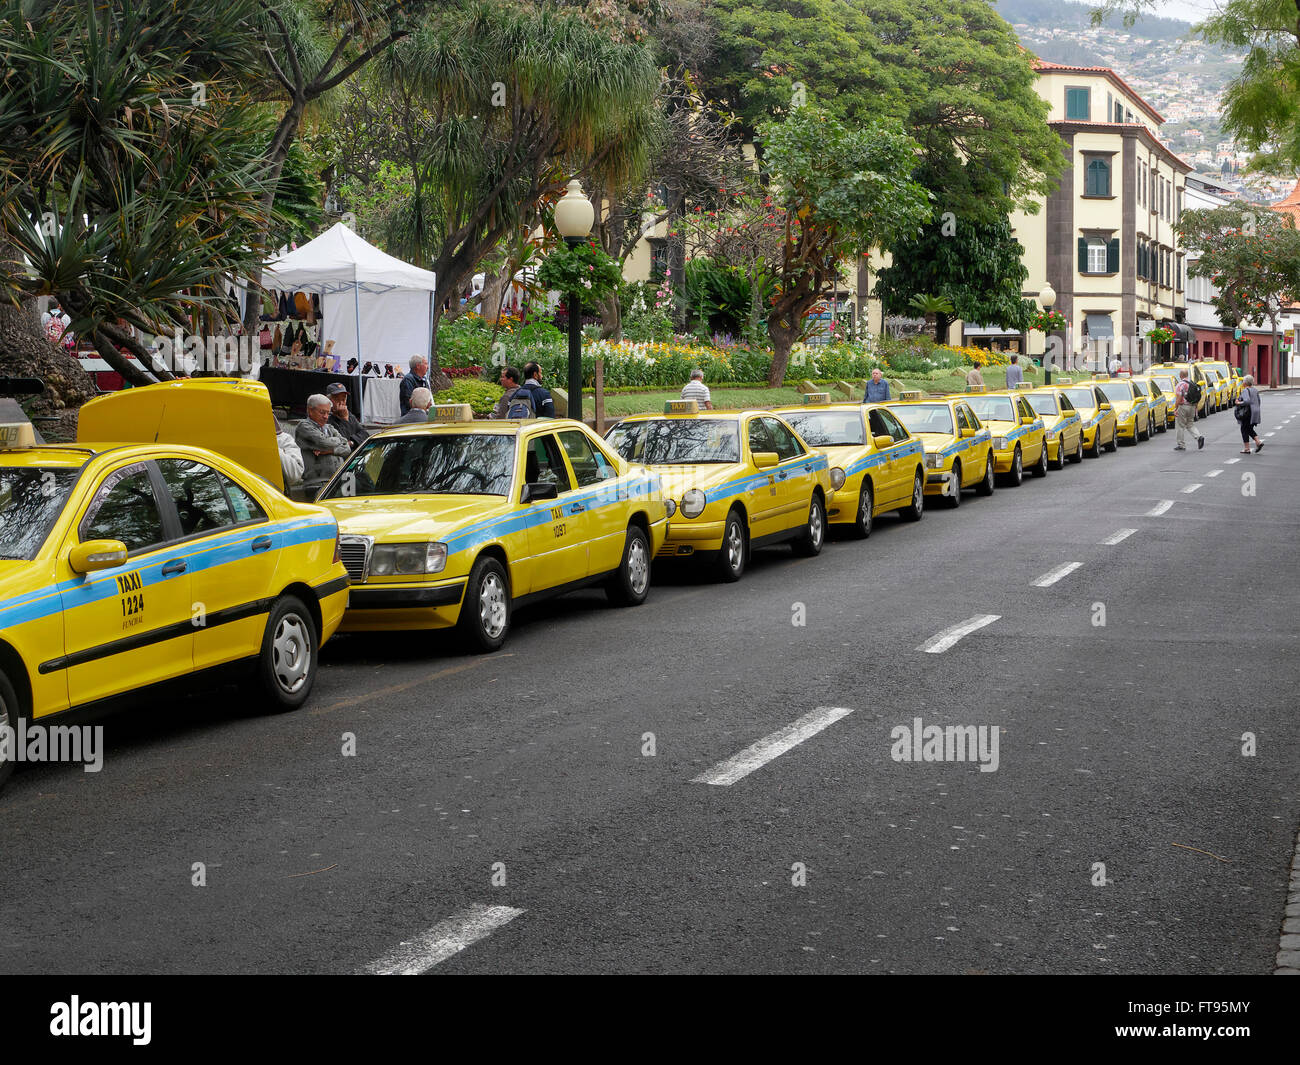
482,396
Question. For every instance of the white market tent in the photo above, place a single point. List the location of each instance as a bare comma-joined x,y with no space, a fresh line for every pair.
376,308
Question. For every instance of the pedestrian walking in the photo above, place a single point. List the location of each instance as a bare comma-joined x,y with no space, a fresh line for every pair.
1248,415
1186,395
974,379
1015,375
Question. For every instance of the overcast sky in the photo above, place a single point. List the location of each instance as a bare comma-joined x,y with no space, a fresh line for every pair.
1191,10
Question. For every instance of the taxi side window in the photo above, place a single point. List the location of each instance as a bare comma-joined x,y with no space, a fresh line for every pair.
246,508
125,508
962,421
1066,405
200,499
893,426
1026,411
545,465
876,423
590,466
759,437
971,421
787,444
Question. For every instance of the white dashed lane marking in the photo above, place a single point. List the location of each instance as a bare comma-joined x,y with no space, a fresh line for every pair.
1231,462
1160,508
936,645
443,940
1214,473
1116,537
1268,434
759,754
1192,488
1051,577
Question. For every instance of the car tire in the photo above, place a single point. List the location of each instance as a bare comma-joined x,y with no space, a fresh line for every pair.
1162,426
1113,446
631,584
1078,450
288,660
915,511
1040,467
9,714
1094,452
954,498
731,558
485,612
1016,475
866,511
808,544
990,481
1060,454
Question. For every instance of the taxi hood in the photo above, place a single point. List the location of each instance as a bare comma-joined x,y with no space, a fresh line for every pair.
229,416
675,480
408,518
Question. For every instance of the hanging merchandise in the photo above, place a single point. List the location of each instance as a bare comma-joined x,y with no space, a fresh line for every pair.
301,304
277,341
264,337
284,305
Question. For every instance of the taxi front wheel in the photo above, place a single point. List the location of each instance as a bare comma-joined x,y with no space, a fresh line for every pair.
485,613
8,718
916,510
954,496
287,666
809,542
731,558
866,511
990,482
631,584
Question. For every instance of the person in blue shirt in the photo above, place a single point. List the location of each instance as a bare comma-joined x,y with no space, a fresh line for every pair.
542,402
877,388
1015,375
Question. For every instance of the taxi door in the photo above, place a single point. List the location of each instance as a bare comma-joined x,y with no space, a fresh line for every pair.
606,516
559,528
763,497
129,626
896,481
795,478
232,553
971,450
1024,410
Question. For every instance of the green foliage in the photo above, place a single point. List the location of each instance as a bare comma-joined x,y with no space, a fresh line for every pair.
1252,255
482,396
644,312
716,298
583,268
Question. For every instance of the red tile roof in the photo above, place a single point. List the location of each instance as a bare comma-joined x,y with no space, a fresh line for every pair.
1062,68
1291,205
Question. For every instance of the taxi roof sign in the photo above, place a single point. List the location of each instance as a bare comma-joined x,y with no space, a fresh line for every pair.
1065,380
452,412
976,388
817,399
681,406
17,434
912,394
1023,386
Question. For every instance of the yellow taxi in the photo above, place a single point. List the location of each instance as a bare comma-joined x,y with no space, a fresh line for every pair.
881,460
958,449
1229,375
1219,386
1019,436
1160,407
1061,422
1165,380
1172,370
1132,417
1100,428
740,479
455,522
123,567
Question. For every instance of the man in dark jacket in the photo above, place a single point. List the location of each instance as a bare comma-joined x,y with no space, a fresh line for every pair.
347,423
417,378
542,402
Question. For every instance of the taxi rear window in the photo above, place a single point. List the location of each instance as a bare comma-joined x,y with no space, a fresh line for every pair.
665,441
31,499
993,408
827,428
925,417
473,464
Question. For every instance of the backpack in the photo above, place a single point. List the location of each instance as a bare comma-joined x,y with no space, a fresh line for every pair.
520,405
1193,392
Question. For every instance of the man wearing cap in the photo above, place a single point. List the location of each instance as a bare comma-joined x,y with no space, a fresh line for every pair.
347,423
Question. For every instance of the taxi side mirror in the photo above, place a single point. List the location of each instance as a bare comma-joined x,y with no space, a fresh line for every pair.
766,459
884,440
97,554
966,433
535,490
1104,405
1027,420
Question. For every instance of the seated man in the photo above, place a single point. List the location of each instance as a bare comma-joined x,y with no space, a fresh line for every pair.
421,403
347,423
323,447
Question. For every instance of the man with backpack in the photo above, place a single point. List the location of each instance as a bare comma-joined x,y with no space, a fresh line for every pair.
1187,394
516,402
541,397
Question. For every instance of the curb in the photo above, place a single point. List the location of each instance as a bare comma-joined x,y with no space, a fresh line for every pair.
1288,955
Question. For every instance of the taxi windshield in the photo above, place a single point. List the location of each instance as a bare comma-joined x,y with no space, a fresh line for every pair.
472,464
1117,392
828,428
925,417
1081,397
1043,404
1166,383
664,441
31,498
993,408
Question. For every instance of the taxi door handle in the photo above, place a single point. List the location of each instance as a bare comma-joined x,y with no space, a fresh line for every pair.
176,565
782,475
261,543
577,508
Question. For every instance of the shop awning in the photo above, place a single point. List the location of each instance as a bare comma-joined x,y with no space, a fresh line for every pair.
1182,332
1100,327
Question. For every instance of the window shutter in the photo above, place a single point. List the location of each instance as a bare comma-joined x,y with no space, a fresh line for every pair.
1083,255
1112,256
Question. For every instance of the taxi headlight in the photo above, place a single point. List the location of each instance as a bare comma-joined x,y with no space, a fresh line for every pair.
837,478
389,559
934,462
670,507
693,503
1052,434
435,558
999,442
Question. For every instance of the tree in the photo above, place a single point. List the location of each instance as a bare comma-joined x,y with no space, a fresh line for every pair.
1251,254
843,189
951,71
975,266
130,165
569,101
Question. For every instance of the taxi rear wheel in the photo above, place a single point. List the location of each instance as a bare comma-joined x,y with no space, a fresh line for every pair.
809,542
1113,445
866,511
990,482
289,653
631,584
916,510
1040,467
1094,452
954,497
485,613
1078,450
1016,474
9,718
731,559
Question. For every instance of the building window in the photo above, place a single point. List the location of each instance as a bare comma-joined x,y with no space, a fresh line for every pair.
1119,111
1097,181
1151,187
1098,256
658,258
1077,104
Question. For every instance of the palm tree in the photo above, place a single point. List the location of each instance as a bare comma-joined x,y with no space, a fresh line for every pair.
938,312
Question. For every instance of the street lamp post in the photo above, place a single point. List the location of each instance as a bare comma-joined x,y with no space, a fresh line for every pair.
1047,297
573,218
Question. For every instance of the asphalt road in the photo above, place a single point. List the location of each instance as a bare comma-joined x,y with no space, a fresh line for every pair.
483,786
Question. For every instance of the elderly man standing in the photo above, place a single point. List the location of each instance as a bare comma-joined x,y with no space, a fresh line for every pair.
877,388
323,446
417,378
421,402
